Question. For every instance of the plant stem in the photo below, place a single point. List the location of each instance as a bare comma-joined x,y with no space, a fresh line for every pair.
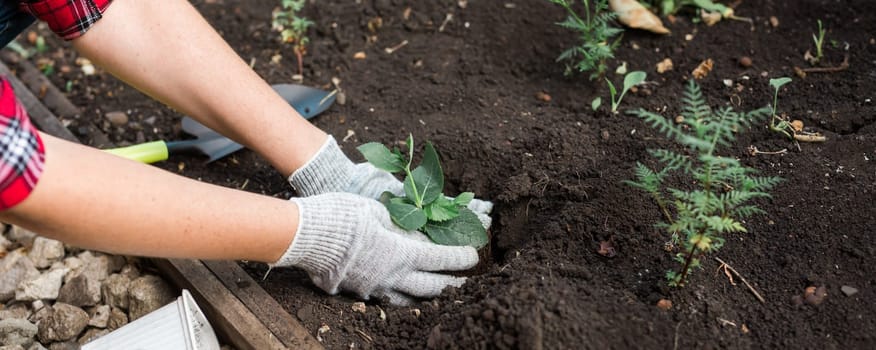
408,177
299,55
688,260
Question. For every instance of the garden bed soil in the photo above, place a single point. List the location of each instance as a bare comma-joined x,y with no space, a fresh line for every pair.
555,169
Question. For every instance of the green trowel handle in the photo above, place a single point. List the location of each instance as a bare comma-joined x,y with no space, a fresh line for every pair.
149,152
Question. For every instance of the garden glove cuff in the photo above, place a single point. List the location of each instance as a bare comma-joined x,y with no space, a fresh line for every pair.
331,171
348,243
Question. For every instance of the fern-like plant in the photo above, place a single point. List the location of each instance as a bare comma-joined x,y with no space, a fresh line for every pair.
715,204
594,32
292,28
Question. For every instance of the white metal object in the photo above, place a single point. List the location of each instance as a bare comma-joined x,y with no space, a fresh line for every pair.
178,325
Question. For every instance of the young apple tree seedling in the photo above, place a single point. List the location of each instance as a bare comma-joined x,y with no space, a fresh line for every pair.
631,79
292,28
424,206
715,204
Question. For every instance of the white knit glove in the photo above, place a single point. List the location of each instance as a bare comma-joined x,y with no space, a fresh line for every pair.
346,242
331,171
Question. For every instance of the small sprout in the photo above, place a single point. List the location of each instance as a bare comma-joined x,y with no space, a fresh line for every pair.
631,79
596,103
594,30
292,28
424,206
778,124
819,44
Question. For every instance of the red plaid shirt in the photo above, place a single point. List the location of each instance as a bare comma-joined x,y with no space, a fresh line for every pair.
67,18
21,150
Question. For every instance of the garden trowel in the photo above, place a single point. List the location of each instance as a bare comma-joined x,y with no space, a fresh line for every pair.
308,101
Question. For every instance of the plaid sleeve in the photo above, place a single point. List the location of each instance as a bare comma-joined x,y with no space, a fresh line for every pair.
21,151
69,19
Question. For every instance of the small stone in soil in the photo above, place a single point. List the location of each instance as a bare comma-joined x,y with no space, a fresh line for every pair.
849,290
664,304
745,61
117,118
359,307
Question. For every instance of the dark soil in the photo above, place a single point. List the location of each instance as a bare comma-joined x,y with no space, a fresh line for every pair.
555,170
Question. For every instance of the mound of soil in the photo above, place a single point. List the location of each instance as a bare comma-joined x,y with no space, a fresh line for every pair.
475,84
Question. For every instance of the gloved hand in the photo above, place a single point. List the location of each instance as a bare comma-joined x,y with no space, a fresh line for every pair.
346,242
331,171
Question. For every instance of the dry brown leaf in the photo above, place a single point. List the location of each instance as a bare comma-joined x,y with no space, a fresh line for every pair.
632,14
703,69
664,65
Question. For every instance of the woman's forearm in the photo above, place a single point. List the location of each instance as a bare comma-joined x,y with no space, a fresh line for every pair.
95,200
168,51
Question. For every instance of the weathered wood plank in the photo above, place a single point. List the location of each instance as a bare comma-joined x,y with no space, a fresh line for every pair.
287,328
39,114
228,316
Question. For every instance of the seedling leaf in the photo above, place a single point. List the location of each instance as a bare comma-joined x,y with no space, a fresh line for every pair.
464,229
405,215
778,82
633,79
381,157
463,199
596,103
428,177
442,209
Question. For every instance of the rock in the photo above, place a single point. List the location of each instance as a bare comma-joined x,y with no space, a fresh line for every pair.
117,118
37,346
100,316
11,347
147,294
130,271
17,331
96,267
115,291
664,304
359,307
45,251
14,310
5,245
80,291
40,315
849,290
92,334
69,345
117,319
21,236
63,323
45,286
15,268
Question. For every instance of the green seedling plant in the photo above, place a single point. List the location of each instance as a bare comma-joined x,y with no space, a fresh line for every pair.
668,7
594,32
715,202
819,43
630,79
779,124
424,206
293,28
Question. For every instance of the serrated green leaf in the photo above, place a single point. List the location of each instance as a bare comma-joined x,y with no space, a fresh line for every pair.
406,216
381,157
442,209
465,229
463,199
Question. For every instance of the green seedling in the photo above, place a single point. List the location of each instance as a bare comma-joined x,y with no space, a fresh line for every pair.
594,32
630,79
819,44
424,206
779,124
292,28
668,7
714,202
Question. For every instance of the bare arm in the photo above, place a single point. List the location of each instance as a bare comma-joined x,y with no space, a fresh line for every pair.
168,51
95,200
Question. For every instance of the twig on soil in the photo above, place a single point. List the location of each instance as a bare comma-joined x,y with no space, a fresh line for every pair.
446,20
726,273
364,336
754,291
841,67
675,347
726,322
390,50
810,137
753,151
